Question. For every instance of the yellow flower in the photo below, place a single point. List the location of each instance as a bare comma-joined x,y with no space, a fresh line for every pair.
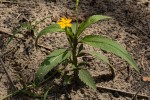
64,22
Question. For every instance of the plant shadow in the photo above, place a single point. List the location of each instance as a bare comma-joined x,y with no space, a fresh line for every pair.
104,78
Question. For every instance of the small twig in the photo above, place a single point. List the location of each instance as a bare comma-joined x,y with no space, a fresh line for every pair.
12,2
142,63
148,24
4,1
4,67
141,31
121,91
133,98
129,73
7,52
0,78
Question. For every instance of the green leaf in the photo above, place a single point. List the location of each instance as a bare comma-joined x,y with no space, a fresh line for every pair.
99,56
91,20
46,93
55,58
80,48
74,27
86,77
50,29
69,32
29,26
110,46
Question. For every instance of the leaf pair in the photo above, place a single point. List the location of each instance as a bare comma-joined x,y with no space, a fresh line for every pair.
56,28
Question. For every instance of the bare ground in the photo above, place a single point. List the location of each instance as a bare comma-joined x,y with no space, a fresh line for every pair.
130,26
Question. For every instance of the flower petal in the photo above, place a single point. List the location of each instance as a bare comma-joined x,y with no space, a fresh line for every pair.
68,20
69,25
62,25
63,19
64,22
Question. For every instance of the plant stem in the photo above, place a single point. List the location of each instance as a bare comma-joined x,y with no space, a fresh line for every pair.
77,5
74,48
75,43
74,58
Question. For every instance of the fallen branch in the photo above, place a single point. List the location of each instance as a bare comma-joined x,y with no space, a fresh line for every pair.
129,94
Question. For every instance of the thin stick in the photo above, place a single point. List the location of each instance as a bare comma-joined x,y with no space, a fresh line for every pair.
133,98
141,31
120,91
12,2
4,67
148,24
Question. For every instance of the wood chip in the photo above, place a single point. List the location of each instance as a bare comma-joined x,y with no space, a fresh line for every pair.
146,79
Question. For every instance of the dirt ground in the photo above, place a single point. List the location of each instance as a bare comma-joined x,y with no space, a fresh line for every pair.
130,26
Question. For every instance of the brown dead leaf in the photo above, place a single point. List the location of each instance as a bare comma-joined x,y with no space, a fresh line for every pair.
146,79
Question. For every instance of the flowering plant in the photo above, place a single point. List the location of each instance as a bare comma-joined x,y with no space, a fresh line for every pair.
75,50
